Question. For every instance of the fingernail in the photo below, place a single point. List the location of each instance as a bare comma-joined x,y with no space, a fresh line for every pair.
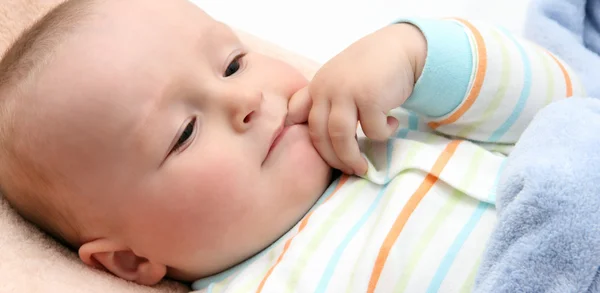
393,123
363,170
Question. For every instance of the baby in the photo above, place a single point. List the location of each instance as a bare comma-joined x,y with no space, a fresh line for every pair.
145,135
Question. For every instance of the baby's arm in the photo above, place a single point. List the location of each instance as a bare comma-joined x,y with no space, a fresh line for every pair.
473,81
548,233
482,83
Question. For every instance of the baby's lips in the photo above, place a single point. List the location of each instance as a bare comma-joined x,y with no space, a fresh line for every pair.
288,122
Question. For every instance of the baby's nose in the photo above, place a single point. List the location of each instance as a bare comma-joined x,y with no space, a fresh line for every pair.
245,108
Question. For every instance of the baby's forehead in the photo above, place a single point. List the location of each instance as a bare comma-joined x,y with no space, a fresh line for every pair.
131,58
125,48
176,15
115,35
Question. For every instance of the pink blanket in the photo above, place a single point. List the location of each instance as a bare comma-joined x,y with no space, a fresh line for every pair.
32,262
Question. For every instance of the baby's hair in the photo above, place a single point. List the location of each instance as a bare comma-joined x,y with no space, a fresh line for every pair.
25,181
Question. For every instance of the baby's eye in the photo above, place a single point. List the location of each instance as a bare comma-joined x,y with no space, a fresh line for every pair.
185,135
234,66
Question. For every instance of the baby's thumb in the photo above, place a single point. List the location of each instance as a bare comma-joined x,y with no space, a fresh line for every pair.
392,124
299,107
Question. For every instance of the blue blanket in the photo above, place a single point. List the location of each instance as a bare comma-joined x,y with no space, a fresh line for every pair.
548,233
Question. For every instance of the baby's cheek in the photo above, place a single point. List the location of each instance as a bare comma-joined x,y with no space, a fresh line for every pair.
304,150
294,79
307,171
195,207
218,189
289,79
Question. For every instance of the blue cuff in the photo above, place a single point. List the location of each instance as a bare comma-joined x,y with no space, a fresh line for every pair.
445,79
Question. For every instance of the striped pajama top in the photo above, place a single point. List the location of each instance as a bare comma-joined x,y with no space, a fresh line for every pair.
419,220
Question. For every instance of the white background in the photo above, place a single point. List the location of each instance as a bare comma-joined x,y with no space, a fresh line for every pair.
318,29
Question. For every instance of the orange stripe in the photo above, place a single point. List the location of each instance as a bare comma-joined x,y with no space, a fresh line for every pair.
477,83
303,224
407,211
565,73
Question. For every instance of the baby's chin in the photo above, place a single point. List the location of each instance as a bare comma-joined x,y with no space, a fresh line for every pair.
299,159
297,146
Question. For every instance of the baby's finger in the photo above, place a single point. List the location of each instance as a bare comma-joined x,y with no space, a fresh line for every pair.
343,120
299,107
319,134
375,123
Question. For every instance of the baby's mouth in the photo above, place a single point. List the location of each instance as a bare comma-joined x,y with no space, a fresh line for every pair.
276,138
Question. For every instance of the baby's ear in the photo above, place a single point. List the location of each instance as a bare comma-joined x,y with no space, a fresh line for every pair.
121,261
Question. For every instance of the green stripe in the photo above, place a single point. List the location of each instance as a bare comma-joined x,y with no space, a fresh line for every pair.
321,234
428,234
504,148
222,286
500,93
469,283
406,161
436,224
252,283
384,203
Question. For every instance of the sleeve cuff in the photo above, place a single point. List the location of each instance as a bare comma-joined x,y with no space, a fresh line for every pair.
446,76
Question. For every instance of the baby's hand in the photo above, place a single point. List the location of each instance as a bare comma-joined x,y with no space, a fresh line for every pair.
362,83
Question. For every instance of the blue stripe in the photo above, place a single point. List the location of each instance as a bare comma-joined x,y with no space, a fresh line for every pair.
333,261
402,133
413,125
326,194
335,258
452,252
210,288
389,149
413,121
524,94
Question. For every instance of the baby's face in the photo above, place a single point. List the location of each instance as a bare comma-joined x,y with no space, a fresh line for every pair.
175,139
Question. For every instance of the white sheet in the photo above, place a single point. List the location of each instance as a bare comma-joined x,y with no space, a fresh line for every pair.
319,29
